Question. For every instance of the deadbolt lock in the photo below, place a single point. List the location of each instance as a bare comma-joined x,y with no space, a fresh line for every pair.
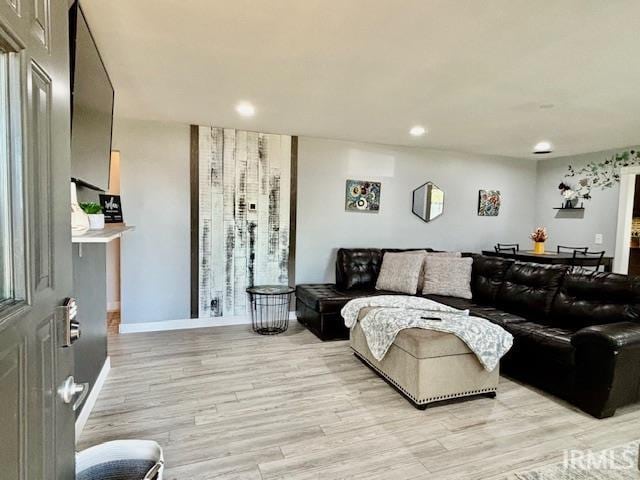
74,331
70,325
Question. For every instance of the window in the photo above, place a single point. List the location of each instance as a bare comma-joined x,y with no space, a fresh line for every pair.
6,255
12,246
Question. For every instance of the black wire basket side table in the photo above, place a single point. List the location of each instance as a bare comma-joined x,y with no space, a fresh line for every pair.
270,308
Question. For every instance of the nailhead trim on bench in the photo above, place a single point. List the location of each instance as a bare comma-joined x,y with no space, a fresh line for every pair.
424,400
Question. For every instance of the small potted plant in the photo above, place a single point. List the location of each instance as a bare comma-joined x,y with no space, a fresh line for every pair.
94,212
539,236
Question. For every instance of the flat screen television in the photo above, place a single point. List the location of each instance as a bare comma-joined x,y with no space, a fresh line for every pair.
92,98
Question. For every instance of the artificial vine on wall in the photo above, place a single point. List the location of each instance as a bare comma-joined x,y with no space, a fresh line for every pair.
604,174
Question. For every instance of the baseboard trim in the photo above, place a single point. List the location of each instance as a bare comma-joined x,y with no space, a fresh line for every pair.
189,323
113,306
90,402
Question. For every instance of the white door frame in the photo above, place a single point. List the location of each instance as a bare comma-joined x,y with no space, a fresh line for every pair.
625,215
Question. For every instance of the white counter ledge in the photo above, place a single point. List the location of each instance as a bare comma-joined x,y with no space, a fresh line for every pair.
105,235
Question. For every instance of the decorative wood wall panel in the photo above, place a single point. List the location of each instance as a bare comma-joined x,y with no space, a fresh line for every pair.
243,222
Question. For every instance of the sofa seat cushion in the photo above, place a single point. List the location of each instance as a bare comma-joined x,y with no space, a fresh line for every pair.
529,288
542,343
499,317
325,298
455,302
595,298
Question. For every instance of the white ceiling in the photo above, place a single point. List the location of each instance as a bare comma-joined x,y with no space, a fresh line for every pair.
473,72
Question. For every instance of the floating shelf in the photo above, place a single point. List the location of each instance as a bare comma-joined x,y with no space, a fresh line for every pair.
571,208
107,234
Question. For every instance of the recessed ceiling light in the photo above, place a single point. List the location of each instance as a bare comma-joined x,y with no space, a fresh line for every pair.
542,147
417,131
246,109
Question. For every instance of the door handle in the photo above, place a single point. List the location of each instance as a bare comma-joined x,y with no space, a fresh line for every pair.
70,389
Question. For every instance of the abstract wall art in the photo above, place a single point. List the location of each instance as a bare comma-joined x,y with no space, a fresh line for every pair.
362,196
489,203
244,188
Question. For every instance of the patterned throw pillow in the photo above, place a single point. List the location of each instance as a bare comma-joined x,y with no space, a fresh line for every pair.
445,254
448,276
435,254
400,272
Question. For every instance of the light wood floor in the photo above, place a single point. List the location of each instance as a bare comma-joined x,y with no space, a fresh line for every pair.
228,404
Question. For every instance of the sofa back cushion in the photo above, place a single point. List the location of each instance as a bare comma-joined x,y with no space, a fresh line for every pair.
404,250
528,290
357,268
595,298
487,276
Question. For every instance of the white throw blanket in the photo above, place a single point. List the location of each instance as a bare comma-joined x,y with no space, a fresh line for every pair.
488,341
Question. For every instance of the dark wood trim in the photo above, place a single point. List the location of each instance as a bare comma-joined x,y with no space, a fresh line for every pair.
195,214
293,209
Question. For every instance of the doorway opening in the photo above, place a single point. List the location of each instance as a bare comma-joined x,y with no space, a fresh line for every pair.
627,256
113,256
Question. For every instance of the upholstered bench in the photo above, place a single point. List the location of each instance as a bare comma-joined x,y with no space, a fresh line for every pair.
428,366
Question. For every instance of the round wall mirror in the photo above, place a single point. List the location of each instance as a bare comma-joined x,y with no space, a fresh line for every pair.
428,201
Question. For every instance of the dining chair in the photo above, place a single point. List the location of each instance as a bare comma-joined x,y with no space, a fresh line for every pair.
507,248
587,259
572,249
510,251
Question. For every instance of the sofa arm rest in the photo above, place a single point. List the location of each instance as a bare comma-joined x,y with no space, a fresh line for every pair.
613,335
607,361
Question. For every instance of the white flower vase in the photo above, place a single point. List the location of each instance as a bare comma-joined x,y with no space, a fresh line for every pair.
96,221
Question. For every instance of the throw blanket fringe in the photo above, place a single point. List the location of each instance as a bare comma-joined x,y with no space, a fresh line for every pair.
394,313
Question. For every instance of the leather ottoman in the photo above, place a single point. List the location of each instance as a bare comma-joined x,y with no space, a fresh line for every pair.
428,366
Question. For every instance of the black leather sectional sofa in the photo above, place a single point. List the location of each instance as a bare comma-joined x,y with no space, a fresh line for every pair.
576,334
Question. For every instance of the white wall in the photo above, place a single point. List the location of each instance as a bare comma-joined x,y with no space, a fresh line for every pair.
155,193
323,226
155,258
600,214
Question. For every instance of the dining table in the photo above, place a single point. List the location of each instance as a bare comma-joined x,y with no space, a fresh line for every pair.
552,258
